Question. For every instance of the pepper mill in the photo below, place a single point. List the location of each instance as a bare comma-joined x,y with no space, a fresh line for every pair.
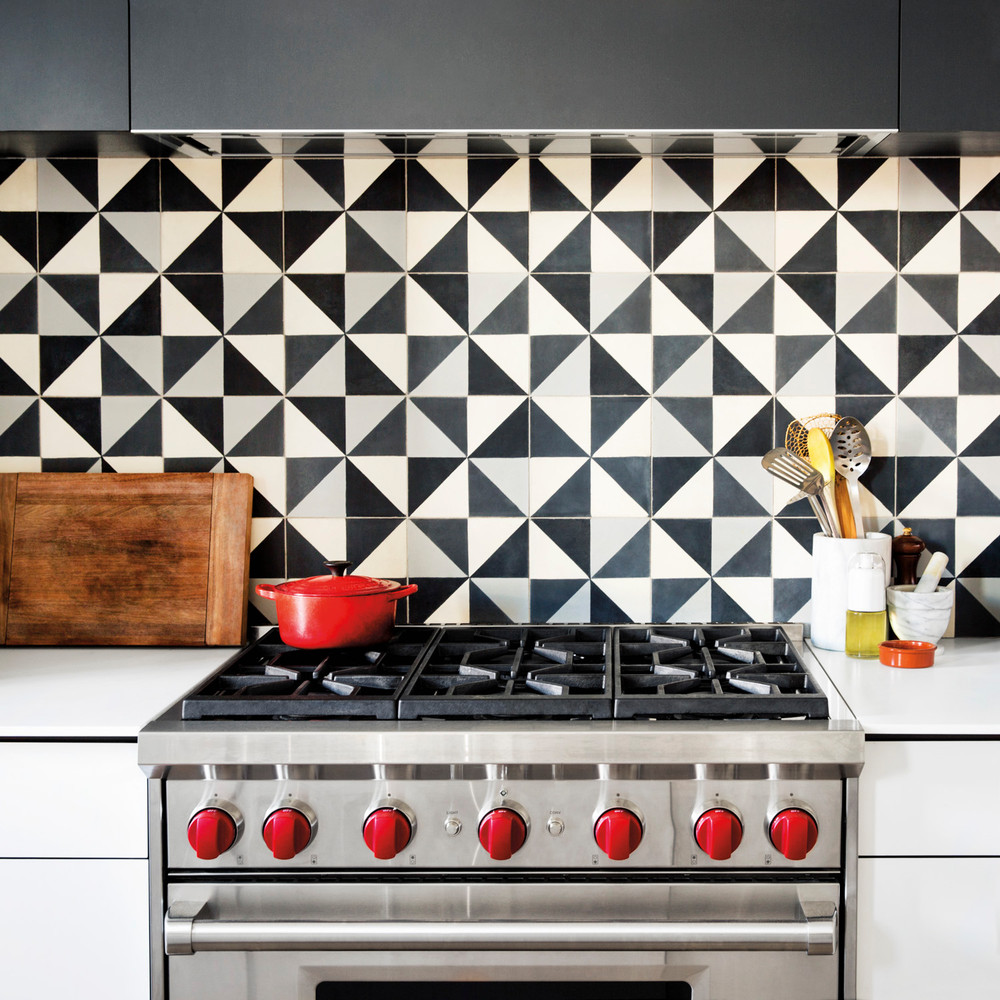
906,549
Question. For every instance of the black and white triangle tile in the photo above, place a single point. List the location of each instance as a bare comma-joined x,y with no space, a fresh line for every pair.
537,381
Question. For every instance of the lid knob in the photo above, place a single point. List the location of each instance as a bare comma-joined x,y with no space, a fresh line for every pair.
338,567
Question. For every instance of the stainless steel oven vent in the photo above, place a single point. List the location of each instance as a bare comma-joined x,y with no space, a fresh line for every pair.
556,143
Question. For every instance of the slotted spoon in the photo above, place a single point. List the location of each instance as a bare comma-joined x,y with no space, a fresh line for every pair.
852,454
790,468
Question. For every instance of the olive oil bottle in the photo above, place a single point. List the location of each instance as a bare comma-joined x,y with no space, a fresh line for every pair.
866,619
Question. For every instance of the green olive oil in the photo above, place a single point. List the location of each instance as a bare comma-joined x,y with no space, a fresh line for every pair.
865,627
865,630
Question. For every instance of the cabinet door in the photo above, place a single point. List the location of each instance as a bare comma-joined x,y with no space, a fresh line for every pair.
64,66
538,65
74,800
929,797
927,928
74,928
949,73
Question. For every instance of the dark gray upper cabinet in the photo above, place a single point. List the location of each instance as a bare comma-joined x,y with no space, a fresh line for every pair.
513,65
949,66
64,65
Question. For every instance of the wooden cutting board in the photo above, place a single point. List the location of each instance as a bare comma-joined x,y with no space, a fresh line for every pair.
109,559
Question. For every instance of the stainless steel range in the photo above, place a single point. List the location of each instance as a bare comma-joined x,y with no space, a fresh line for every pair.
587,811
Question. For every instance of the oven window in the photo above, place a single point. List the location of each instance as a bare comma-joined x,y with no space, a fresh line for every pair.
536,990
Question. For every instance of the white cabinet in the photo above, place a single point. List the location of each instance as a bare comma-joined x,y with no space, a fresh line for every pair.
928,928
929,797
74,928
929,870
74,875
77,800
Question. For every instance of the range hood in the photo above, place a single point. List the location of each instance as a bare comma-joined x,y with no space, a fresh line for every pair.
521,77
708,142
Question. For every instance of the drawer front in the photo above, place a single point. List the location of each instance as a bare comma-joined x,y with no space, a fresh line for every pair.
74,928
73,800
927,928
929,797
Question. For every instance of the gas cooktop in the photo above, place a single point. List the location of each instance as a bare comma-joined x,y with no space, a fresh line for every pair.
492,672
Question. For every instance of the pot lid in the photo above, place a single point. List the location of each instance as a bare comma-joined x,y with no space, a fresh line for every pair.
338,584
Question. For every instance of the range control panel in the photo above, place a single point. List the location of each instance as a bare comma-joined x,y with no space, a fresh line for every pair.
495,823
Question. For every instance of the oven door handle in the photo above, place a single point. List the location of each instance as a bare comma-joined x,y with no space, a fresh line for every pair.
184,933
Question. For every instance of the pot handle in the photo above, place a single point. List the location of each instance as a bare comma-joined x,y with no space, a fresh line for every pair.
267,590
404,591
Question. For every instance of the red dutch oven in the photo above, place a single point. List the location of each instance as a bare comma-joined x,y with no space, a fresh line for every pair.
336,610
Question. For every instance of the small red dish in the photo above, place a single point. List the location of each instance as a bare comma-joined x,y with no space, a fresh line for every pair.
906,653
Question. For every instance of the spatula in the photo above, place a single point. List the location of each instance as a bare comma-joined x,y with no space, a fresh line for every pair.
797,472
852,454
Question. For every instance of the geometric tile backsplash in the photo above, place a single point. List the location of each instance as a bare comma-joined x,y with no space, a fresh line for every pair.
538,387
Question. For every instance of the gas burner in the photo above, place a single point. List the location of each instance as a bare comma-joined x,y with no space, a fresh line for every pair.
684,673
272,680
513,672
768,678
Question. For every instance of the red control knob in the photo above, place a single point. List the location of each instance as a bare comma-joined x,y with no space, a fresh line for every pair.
618,832
502,833
210,832
718,832
286,832
794,833
387,832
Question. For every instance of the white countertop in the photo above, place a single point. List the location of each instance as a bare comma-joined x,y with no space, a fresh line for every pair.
96,692
100,692
959,695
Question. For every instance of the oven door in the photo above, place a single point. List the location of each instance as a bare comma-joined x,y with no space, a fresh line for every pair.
545,937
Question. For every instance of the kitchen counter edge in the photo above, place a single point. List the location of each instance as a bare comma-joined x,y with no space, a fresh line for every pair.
959,696
95,692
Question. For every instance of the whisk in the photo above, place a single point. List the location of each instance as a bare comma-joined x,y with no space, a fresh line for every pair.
797,433
837,498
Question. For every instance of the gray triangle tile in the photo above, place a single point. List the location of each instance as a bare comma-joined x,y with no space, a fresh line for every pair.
253,425
498,487
315,487
192,366
131,366
744,304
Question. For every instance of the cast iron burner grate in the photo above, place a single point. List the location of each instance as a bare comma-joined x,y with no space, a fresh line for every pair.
515,671
498,672
691,672
272,680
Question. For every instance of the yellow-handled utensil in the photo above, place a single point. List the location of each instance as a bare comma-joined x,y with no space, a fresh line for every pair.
821,459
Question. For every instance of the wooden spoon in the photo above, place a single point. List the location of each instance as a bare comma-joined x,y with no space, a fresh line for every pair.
845,509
